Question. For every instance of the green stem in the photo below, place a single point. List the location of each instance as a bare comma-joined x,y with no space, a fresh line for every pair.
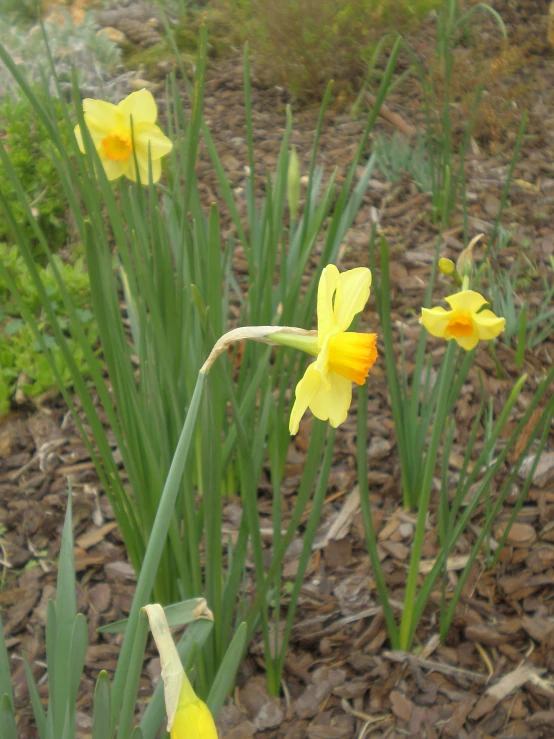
155,546
369,531
407,626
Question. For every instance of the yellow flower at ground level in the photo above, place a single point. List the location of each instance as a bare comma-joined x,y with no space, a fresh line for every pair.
121,132
342,358
193,719
187,716
466,322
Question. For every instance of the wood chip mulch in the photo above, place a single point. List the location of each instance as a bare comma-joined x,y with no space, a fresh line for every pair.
495,675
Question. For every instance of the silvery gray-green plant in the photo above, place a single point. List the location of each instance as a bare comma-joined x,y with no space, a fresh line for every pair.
95,57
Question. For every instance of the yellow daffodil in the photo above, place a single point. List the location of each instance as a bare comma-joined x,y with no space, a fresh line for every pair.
119,132
342,357
193,719
466,322
187,716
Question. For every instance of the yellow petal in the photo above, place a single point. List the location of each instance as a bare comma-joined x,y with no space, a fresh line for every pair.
326,289
352,295
141,105
466,342
194,721
79,137
306,390
435,320
114,168
489,325
328,399
466,300
149,136
101,117
142,161
332,402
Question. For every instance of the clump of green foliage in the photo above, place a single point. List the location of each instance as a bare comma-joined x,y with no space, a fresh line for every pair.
23,365
24,11
26,141
303,44
397,156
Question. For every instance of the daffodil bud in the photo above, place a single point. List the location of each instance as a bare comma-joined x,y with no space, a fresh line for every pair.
447,266
193,720
187,716
464,265
293,183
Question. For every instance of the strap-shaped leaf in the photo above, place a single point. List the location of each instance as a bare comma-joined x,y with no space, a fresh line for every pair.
36,703
79,639
101,716
225,678
66,612
51,639
127,713
8,729
177,614
5,679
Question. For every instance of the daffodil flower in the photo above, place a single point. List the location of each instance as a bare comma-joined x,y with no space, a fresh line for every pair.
466,323
187,716
121,132
342,357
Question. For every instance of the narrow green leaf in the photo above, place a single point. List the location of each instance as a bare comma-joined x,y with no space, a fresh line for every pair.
79,639
156,544
225,677
199,303
8,729
101,715
177,614
522,336
51,654
66,613
36,703
309,535
132,679
365,506
5,678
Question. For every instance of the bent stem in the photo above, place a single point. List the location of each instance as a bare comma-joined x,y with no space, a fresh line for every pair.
407,625
156,544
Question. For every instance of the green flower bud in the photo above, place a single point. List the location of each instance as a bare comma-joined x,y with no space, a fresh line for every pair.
293,183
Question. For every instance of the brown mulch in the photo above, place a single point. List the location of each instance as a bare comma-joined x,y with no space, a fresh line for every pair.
495,675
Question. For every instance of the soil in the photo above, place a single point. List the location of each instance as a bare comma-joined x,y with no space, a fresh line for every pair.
495,675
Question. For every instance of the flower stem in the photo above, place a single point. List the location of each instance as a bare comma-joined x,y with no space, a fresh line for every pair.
407,627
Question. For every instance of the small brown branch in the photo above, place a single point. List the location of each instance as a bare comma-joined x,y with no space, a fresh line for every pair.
391,117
